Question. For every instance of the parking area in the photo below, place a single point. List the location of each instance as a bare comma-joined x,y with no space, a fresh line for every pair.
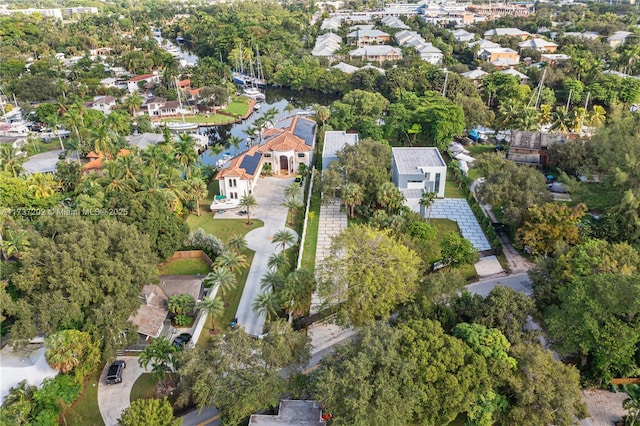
113,399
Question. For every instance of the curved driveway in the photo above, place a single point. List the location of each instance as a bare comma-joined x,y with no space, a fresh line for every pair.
113,399
269,194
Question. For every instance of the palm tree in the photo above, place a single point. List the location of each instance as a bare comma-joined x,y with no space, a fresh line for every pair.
133,103
266,304
352,195
43,185
61,352
296,294
237,243
289,108
526,119
248,202
545,114
186,153
160,353
196,190
323,113
114,179
597,117
104,140
293,191
214,308
277,261
235,142
389,197
293,205
284,237
561,121
11,160
426,200
272,281
221,277
13,243
507,113
232,261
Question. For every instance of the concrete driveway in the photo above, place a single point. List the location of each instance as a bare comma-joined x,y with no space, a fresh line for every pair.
112,399
270,195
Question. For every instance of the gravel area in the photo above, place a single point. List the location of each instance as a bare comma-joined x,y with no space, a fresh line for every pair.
605,407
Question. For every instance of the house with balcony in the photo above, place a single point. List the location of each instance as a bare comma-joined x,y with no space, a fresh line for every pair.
417,170
104,104
501,57
427,51
284,148
326,45
377,53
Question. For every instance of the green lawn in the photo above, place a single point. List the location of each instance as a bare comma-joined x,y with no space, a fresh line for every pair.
239,106
36,146
224,228
214,119
451,187
233,299
144,387
311,238
84,410
184,267
480,148
597,196
443,227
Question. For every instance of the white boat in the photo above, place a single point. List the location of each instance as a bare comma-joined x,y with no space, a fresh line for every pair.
254,93
223,159
178,126
257,107
221,202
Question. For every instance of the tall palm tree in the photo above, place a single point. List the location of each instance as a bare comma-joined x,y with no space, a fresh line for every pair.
235,142
526,119
132,103
352,195
289,108
389,197
426,201
237,243
277,261
196,189
293,191
232,261
186,154
597,117
61,351
561,121
272,281
545,115
293,205
104,140
296,294
114,179
214,308
248,203
284,237
266,304
221,277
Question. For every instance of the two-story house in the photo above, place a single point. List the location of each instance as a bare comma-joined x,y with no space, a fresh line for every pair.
417,170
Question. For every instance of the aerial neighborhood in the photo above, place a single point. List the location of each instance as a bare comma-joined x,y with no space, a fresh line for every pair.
317,213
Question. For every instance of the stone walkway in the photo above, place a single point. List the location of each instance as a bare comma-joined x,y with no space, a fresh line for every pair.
458,210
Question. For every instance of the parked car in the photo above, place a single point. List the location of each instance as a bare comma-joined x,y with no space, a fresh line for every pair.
298,179
182,340
114,374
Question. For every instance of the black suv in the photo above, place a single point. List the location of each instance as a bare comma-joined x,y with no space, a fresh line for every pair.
114,374
182,340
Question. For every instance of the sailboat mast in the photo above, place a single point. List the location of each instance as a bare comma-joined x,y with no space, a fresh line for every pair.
179,101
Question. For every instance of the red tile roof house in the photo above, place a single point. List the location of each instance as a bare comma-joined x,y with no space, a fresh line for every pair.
286,146
133,83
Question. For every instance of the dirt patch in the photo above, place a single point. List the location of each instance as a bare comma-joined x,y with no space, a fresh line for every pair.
517,263
605,407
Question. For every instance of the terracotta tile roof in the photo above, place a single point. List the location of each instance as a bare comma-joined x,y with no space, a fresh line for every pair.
92,155
93,164
184,83
141,77
285,142
234,168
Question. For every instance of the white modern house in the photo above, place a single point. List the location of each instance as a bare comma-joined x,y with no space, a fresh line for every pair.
417,170
334,141
284,147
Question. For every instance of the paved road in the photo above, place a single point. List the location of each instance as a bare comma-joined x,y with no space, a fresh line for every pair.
269,195
112,399
519,282
207,417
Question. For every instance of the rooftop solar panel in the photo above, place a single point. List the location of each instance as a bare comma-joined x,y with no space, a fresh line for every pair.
250,163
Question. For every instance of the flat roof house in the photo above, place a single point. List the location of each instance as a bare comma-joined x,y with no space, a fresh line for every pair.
334,141
417,170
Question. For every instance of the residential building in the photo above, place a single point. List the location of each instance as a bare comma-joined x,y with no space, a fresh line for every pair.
144,140
586,35
326,45
463,36
427,51
531,148
539,45
506,32
618,38
475,76
523,78
153,106
553,58
483,44
420,168
501,57
345,68
367,36
334,141
496,10
292,413
105,104
284,147
394,22
377,53
133,84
